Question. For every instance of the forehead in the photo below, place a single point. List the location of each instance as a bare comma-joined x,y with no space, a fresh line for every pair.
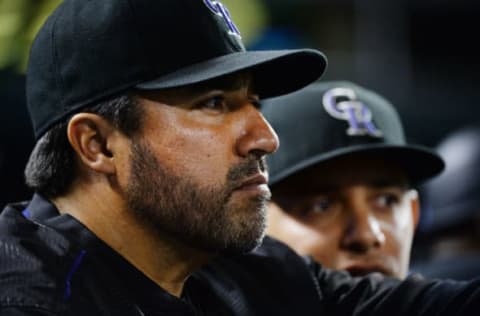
343,172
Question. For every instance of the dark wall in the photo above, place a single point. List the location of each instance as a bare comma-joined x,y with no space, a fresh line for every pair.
16,138
421,55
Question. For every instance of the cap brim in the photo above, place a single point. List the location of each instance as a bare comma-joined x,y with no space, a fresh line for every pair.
419,162
274,72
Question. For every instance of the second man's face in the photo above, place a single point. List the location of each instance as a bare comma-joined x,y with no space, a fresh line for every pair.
354,214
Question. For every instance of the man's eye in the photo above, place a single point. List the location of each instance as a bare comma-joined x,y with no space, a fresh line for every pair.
387,200
320,206
216,103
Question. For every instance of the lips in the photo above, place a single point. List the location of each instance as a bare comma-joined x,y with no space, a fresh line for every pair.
257,184
361,270
257,180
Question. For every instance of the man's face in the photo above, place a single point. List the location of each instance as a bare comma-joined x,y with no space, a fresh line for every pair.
197,172
353,214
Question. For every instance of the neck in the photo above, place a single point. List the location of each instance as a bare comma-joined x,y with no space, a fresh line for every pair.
165,261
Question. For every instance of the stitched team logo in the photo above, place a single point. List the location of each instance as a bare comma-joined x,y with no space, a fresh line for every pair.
342,104
222,11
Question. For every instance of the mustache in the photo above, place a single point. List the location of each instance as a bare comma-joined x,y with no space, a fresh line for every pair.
249,167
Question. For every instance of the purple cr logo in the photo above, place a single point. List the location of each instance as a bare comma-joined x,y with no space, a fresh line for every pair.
342,104
222,11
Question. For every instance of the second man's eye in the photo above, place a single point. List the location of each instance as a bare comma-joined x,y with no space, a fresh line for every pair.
387,200
320,205
315,207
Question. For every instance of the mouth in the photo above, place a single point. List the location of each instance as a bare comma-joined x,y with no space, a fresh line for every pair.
255,184
361,270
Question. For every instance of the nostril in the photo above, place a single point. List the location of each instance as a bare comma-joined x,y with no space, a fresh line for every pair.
258,153
358,246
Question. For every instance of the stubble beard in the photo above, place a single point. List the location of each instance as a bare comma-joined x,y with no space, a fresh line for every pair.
202,217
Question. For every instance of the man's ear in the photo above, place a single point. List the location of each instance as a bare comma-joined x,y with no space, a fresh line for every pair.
89,135
415,206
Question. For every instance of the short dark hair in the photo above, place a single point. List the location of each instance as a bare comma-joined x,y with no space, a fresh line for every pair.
50,169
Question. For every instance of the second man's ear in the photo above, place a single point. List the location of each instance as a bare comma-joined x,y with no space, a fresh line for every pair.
89,134
415,205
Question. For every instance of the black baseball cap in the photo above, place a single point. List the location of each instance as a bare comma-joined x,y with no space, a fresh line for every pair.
329,120
90,50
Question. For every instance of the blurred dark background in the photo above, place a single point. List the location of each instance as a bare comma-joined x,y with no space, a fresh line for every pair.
421,55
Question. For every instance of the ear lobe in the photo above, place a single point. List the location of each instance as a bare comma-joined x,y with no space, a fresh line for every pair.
89,135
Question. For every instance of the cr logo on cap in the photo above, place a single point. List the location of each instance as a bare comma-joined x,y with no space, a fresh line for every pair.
342,104
221,10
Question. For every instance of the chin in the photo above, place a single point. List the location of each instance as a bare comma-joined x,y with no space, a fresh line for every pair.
246,229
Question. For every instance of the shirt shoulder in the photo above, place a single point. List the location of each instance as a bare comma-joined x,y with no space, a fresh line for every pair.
52,265
33,263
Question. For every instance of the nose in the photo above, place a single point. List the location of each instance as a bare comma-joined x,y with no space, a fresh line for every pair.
257,137
362,233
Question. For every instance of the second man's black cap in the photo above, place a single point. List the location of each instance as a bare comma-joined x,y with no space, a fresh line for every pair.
89,50
333,119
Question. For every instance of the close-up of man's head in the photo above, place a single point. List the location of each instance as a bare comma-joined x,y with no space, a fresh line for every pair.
166,131
343,181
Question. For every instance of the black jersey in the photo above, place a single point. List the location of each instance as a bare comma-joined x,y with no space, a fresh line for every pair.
50,264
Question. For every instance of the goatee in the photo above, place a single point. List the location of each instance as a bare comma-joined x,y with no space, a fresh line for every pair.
201,216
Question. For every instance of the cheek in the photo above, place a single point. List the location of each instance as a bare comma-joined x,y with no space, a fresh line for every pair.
193,144
403,221
399,229
324,247
200,153
307,239
123,162
325,242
